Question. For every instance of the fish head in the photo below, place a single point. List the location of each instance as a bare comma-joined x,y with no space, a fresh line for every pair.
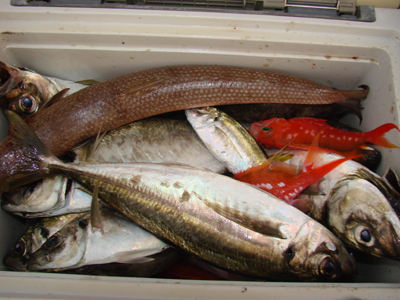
65,248
39,196
316,254
360,214
268,131
203,117
24,91
33,239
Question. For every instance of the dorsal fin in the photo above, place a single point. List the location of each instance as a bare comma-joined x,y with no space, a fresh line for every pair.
57,97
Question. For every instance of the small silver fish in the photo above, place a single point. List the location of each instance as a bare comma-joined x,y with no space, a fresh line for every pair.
226,139
67,242
225,222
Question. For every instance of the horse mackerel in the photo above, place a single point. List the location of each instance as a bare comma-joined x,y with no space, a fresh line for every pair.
205,214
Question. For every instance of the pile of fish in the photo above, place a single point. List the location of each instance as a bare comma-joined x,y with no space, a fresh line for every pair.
116,182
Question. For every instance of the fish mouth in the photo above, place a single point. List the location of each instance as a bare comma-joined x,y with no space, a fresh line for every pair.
10,77
255,129
16,198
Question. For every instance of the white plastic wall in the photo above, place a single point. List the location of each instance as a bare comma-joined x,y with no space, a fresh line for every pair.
98,44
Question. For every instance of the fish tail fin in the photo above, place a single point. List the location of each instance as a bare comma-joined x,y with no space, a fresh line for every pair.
352,101
36,152
376,136
356,94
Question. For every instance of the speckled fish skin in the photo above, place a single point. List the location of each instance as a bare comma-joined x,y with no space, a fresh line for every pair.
131,97
351,199
226,139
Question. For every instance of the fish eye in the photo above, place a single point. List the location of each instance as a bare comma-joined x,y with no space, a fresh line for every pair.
44,232
267,129
83,224
363,236
327,267
53,242
20,248
289,254
28,104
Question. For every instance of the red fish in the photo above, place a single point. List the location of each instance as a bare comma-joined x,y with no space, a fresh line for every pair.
283,181
300,132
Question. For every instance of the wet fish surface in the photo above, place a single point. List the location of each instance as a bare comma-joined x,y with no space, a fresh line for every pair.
131,97
300,132
26,92
355,203
149,140
226,139
69,242
211,216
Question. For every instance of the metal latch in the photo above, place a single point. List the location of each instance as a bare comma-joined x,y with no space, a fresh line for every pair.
328,9
341,7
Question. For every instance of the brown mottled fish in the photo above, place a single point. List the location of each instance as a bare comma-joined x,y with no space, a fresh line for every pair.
134,96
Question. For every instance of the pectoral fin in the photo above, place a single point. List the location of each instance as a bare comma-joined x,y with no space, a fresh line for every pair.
95,216
249,221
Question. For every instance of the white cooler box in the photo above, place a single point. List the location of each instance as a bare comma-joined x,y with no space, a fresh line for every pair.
101,43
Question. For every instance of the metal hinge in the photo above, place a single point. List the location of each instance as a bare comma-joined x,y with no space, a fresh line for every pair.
341,7
330,9
333,9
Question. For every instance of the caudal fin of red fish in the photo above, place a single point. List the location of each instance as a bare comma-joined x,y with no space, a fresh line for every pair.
376,136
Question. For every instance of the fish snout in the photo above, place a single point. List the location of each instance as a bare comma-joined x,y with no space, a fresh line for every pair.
10,77
390,240
256,129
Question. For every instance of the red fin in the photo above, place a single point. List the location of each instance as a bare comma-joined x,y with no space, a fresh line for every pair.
376,136
321,171
263,166
311,157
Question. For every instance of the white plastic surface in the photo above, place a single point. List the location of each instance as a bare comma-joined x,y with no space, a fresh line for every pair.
98,44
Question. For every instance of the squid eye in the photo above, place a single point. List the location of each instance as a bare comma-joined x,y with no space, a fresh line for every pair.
327,267
267,129
28,104
53,242
20,248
